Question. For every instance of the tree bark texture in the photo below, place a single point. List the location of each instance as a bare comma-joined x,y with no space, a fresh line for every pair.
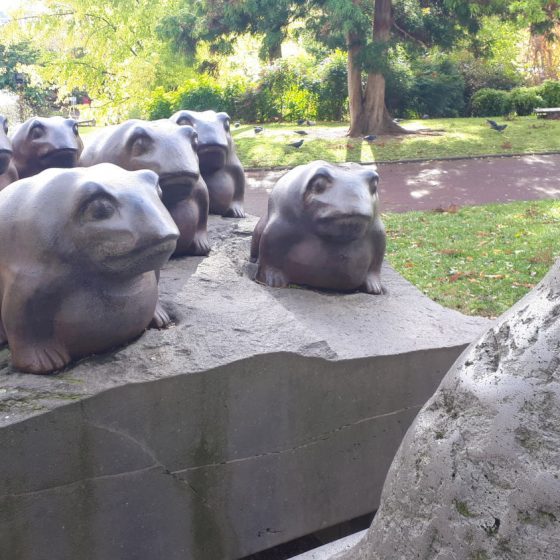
355,94
373,118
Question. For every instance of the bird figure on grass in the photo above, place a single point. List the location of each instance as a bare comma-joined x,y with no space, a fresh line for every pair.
301,132
301,121
494,125
236,125
297,144
310,123
370,137
258,129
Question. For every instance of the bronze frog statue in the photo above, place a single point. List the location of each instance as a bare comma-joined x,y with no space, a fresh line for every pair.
40,143
220,167
170,151
79,262
322,230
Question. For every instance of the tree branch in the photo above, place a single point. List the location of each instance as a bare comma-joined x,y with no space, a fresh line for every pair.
407,35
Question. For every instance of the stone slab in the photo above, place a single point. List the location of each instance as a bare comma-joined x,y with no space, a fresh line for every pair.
261,416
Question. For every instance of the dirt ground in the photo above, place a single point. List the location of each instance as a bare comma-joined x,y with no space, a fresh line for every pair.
440,184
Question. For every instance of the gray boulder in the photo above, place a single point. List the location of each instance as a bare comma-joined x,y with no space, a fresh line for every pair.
477,476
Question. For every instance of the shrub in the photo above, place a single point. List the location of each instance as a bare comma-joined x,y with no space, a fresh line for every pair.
159,106
488,102
479,73
198,95
399,80
332,90
550,92
299,103
525,100
438,90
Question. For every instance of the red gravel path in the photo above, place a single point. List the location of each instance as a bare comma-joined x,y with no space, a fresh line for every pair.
440,184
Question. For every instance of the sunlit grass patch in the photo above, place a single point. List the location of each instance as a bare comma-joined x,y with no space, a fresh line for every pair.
479,260
440,138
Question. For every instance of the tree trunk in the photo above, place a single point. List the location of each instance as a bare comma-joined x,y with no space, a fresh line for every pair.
355,94
375,118
274,52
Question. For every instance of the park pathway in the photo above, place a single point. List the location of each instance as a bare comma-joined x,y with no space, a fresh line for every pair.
430,185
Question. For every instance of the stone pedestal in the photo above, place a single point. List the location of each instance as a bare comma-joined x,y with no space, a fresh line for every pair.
261,416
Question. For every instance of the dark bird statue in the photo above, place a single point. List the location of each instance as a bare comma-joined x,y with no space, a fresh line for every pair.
301,132
236,125
258,129
297,144
370,137
301,121
494,125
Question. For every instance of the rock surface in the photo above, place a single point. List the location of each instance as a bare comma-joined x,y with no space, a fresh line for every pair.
261,416
477,476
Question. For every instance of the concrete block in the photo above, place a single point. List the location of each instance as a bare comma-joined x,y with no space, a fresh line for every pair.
261,416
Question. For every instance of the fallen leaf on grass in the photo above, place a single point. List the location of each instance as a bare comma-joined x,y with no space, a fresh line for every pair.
451,209
506,146
450,252
457,275
523,285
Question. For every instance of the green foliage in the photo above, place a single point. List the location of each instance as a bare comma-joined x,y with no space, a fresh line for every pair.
438,90
479,73
198,95
488,102
15,60
332,98
525,100
159,106
399,80
550,92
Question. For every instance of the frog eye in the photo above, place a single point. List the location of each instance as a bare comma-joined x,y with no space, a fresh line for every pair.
140,142
99,209
37,131
184,121
318,184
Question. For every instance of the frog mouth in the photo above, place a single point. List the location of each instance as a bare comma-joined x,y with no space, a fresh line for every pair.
343,228
63,157
177,186
149,256
212,156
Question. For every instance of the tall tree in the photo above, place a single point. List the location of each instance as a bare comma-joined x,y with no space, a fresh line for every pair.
542,17
108,48
368,29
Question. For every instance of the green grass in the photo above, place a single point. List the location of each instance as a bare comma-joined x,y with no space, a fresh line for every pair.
446,137
479,260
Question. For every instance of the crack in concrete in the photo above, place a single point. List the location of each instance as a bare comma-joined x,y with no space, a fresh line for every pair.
321,437
157,464
80,481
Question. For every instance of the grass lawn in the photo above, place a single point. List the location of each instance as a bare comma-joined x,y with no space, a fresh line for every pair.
445,137
479,260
